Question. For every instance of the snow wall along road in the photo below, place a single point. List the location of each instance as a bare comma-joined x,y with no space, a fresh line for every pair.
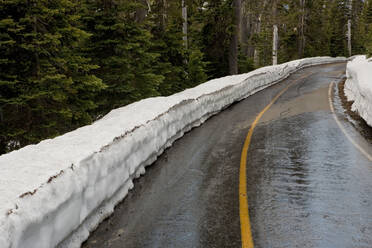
56,192
358,86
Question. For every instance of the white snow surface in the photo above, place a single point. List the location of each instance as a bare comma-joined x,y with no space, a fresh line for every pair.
56,192
358,86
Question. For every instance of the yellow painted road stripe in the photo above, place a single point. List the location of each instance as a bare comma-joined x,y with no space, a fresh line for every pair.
364,152
245,225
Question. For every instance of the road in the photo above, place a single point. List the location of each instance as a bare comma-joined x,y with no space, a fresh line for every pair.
308,182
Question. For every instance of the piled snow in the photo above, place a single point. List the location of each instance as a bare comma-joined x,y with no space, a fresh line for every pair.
56,192
358,86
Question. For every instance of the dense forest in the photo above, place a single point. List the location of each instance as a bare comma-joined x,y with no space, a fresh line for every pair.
65,63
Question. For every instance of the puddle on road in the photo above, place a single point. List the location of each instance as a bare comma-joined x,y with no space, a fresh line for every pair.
308,185
311,102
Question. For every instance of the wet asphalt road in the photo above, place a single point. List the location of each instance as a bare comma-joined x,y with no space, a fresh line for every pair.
308,185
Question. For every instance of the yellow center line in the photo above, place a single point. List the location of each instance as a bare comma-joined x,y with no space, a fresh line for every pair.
245,225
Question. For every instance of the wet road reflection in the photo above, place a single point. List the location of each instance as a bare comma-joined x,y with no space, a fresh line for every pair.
307,185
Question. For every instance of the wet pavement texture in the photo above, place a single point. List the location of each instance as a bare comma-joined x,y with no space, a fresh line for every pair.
308,186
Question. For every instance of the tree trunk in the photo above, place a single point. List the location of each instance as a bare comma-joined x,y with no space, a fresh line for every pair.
349,27
275,33
244,30
349,36
275,45
256,55
234,43
184,27
163,13
301,45
141,12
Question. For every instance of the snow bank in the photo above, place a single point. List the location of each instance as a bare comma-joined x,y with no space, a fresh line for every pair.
358,86
56,192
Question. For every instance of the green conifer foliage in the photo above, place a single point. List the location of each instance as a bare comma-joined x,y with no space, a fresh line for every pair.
182,66
368,11
216,35
64,63
317,26
367,26
122,48
357,27
46,84
338,18
196,68
168,42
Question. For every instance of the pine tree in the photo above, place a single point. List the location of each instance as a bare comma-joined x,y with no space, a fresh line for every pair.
357,27
196,68
368,11
366,26
168,42
317,26
253,27
216,35
122,48
338,28
46,84
181,65
196,64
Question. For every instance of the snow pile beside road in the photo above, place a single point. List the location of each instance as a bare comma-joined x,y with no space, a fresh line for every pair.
358,86
56,192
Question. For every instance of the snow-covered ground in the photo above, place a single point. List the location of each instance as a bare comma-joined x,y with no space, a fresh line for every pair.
358,86
56,192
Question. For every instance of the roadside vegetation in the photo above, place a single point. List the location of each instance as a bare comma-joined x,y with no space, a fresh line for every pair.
66,63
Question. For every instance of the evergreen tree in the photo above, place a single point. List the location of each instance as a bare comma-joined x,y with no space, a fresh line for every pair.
289,14
357,27
338,28
46,84
182,66
168,42
63,63
216,35
366,24
317,26
367,13
122,48
196,69
196,66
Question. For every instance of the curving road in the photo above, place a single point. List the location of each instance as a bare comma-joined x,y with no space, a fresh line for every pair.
308,179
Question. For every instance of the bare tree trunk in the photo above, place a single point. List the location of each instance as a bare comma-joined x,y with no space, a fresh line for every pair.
275,33
164,6
275,45
184,27
141,12
234,43
349,36
244,29
256,55
349,46
301,46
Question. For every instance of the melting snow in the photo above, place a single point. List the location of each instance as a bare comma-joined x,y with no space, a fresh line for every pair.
56,192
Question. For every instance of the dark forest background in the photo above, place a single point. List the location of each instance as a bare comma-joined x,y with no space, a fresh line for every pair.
66,63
